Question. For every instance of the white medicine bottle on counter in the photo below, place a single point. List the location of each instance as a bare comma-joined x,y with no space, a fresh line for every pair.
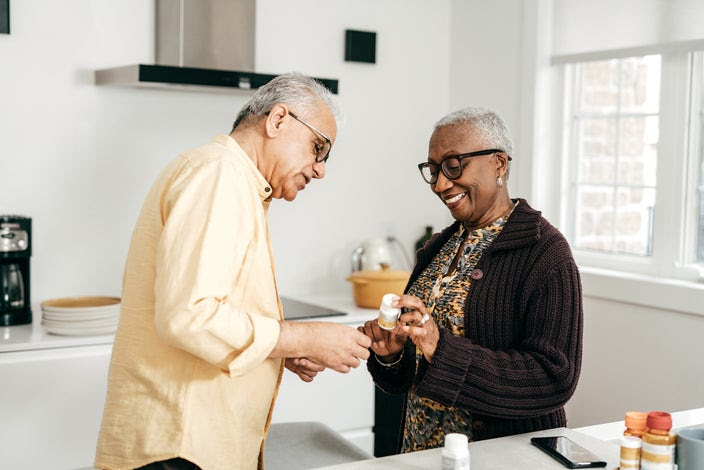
455,454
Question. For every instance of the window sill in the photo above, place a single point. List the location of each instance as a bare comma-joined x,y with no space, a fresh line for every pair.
649,291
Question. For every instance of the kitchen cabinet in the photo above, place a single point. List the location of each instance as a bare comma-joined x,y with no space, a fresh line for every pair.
345,402
53,391
51,402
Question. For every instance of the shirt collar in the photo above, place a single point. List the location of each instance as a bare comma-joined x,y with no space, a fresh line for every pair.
263,187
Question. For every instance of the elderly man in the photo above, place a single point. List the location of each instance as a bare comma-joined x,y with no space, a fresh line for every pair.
202,343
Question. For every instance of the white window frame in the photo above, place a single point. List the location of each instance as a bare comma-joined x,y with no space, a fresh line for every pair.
672,252
695,165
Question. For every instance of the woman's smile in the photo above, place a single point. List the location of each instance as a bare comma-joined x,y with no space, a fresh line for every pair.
454,200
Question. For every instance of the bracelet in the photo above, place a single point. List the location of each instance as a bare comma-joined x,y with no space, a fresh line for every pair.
389,364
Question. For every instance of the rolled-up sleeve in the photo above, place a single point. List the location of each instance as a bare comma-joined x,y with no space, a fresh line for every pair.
209,239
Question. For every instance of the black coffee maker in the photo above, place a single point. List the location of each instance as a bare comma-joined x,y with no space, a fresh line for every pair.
15,250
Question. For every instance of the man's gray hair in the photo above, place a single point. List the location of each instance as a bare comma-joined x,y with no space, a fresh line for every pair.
490,126
294,89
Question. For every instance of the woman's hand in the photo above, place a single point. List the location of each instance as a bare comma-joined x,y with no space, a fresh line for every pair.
418,324
386,344
303,368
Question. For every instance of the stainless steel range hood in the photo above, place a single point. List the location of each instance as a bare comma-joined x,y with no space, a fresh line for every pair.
199,44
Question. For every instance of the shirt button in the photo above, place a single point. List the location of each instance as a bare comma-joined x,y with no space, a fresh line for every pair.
476,274
267,189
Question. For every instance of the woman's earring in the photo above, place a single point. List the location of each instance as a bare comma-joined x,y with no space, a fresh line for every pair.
499,182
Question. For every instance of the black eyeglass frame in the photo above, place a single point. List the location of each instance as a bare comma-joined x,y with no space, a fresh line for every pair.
442,166
319,157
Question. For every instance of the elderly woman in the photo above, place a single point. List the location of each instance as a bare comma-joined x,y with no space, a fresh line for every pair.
490,343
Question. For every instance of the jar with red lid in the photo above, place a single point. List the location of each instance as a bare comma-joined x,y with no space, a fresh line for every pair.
658,451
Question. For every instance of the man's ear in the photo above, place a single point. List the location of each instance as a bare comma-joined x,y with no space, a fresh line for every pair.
275,119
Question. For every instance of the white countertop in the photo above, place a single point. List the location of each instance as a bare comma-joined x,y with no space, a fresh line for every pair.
505,453
344,303
613,431
33,336
512,452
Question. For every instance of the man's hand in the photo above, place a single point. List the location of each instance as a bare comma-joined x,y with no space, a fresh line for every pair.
331,345
303,368
339,347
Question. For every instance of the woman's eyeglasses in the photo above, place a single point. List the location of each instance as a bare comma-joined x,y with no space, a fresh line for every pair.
451,166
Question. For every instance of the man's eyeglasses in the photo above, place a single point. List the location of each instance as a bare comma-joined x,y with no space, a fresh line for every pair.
322,152
451,166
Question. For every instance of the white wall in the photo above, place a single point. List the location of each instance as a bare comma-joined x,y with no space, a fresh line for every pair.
79,158
607,24
637,358
486,69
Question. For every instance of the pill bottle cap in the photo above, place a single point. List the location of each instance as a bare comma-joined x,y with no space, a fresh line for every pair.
386,307
456,443
631,442
659,420
636,420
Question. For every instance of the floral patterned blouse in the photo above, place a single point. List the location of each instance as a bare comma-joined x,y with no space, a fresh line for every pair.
444,294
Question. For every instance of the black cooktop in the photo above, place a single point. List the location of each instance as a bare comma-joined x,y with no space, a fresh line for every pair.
297,310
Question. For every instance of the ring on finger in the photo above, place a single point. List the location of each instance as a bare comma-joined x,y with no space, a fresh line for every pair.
425,318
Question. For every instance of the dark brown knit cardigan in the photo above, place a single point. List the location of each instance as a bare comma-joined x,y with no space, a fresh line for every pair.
520,359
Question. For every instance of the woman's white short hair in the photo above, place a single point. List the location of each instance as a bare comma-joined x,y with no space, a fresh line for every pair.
485,122
294,89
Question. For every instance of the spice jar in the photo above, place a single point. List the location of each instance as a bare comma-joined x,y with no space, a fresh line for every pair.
658,451
635,423
630,452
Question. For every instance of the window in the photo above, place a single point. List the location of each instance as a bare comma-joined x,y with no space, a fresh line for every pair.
697,130
615,129
633,153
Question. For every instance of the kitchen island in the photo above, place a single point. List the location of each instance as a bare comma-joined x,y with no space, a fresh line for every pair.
513,452
505,453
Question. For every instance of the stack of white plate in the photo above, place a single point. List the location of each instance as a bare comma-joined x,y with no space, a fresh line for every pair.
76,316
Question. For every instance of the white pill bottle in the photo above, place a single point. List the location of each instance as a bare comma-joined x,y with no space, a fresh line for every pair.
455,454
388,315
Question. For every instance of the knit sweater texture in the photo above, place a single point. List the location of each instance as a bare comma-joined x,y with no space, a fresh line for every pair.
520,359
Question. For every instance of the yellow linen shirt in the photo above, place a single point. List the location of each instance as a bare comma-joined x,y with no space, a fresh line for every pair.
189,374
